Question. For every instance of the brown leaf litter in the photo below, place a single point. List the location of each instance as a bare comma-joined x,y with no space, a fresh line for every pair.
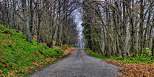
134,69
68,50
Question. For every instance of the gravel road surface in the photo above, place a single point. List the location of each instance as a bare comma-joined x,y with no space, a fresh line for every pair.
79,64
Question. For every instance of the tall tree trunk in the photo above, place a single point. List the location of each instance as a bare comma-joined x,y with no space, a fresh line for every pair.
26,21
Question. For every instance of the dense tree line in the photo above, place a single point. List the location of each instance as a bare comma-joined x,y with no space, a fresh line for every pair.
119,27
49,21
111,27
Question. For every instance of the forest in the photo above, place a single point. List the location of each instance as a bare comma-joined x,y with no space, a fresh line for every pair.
119,27
111,27
45,20
122,29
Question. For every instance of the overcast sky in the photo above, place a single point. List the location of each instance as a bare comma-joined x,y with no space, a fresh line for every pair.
78,20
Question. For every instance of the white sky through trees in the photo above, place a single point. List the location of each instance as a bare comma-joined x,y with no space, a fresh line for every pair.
78,20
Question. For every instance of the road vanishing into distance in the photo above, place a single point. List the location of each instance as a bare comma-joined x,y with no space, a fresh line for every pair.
79,64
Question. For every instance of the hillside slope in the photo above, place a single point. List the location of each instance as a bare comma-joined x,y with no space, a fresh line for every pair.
19,57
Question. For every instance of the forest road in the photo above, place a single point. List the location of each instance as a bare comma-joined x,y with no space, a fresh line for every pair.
79,64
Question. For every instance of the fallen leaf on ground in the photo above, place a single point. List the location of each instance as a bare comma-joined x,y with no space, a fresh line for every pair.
1,71
134,69
68,50
50,59
38,64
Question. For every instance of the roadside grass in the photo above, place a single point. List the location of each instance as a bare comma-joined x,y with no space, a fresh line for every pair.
139,59
19,57
142,66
